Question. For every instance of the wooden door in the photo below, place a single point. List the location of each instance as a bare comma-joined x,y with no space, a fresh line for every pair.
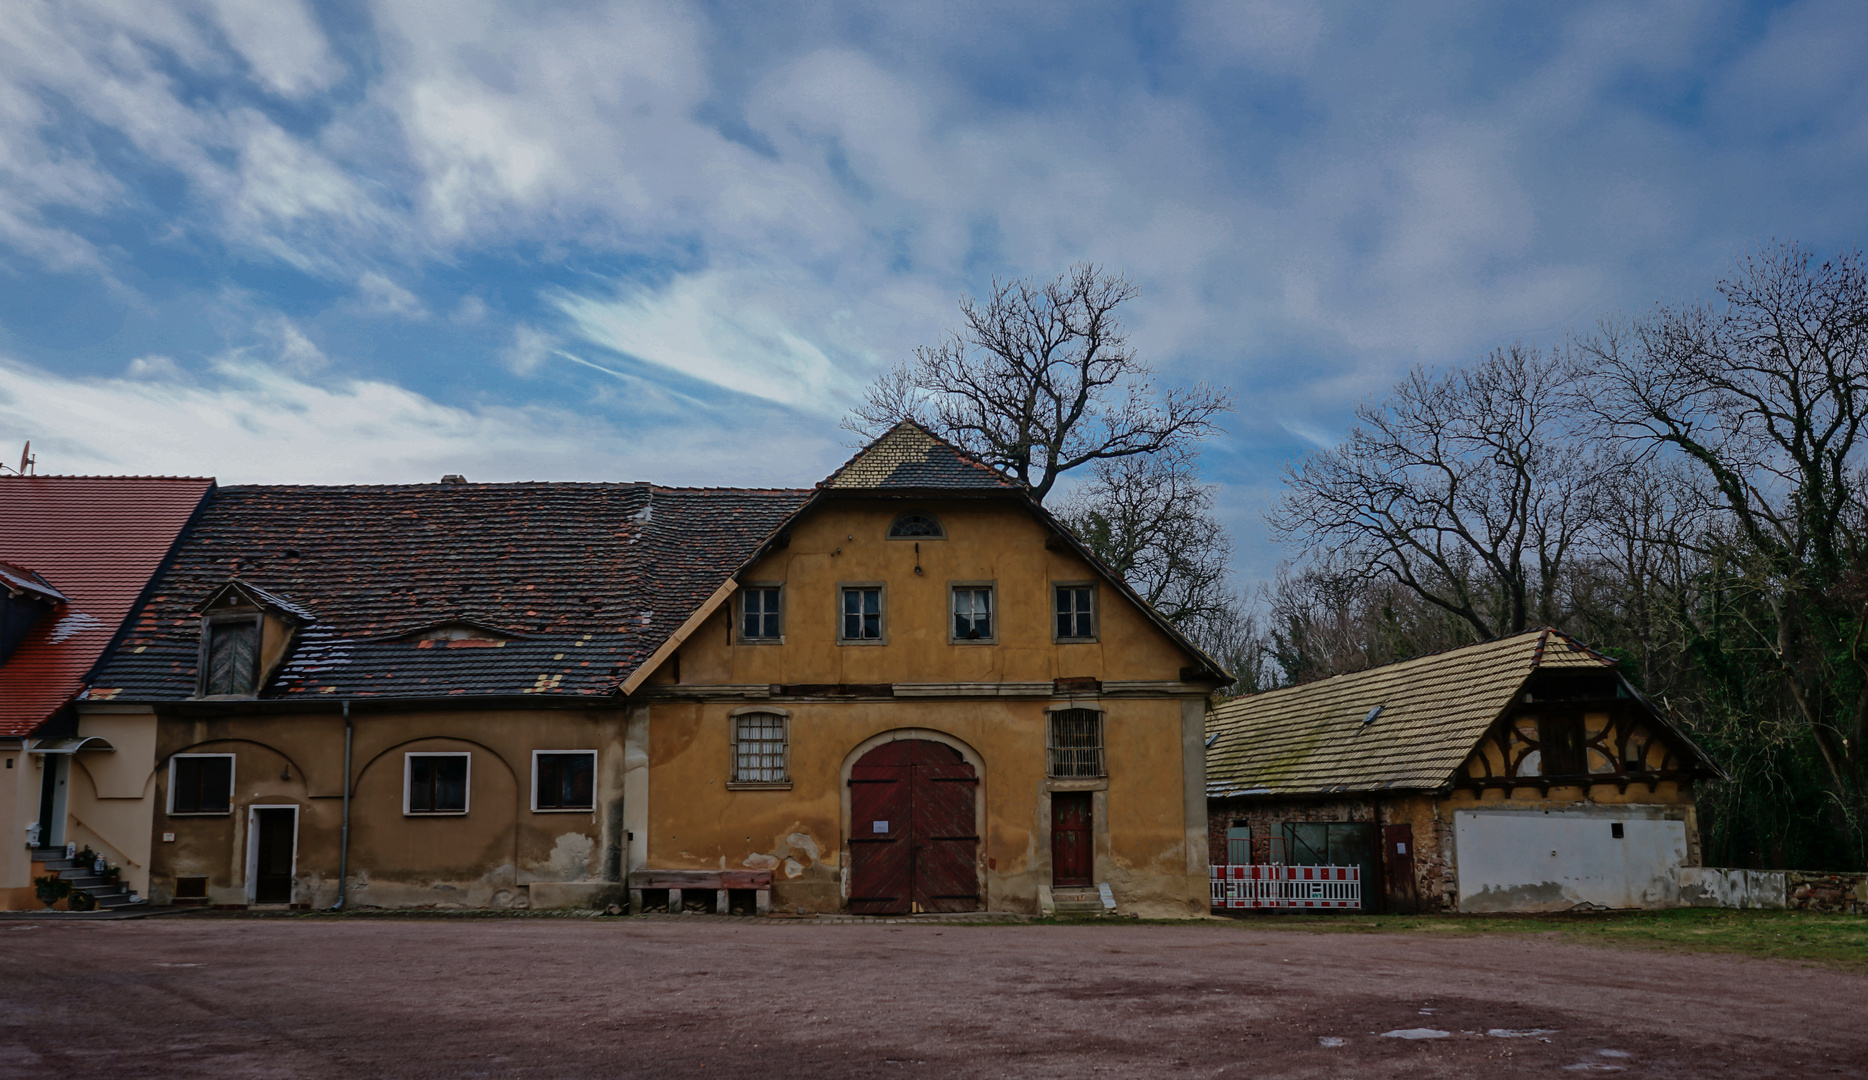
277,830
1397,871
1073,861
913,840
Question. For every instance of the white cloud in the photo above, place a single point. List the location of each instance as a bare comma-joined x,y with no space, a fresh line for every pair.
712,327
281,44
248,422
382,296
529,348
1273,35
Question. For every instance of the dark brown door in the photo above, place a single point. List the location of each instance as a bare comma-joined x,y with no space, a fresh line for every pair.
272,882
1397,870
1072,840
913,840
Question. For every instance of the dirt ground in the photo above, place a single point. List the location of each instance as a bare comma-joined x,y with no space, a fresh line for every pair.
698,996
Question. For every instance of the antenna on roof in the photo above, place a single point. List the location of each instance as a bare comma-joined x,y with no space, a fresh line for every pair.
26,460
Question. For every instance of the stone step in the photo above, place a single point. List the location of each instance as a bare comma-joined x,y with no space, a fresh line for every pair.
119,900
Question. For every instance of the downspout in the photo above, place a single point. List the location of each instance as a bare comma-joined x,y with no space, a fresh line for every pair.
343,848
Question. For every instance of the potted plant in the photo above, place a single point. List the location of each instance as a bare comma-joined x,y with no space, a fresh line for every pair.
79,900
51,889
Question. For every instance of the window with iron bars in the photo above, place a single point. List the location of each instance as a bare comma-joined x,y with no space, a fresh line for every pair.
759,749
1076,743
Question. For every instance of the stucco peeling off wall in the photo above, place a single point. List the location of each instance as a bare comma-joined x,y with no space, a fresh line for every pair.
1536,860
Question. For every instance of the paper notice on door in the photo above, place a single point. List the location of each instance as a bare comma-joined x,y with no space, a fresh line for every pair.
879,826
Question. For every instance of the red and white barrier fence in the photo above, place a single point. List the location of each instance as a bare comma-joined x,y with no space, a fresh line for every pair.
1277,886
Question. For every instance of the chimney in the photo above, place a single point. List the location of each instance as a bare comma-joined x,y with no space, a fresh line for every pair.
454,478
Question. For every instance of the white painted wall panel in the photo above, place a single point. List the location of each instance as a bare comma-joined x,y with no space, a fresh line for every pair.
1537,860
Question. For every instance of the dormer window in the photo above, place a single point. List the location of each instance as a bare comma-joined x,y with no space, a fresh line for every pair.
246,634
916,527
232,648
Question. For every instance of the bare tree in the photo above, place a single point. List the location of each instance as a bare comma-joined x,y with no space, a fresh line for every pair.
1151,520
1040,381
1766,395
1468,490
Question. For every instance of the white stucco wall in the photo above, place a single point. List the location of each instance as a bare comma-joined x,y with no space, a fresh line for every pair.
1555,859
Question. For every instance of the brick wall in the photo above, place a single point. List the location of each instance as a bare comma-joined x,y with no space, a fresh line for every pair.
1840,893
1435,882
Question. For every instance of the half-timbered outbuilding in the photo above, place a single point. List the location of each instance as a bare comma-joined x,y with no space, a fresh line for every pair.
1520,774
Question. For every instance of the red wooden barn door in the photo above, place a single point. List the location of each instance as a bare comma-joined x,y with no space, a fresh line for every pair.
1398,870
913,844
1072,840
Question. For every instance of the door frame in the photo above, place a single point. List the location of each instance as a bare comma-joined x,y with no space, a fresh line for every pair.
967,754
252,849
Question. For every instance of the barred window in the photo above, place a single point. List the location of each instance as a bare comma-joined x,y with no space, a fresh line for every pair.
759,749
916,527
759,614
1076,745
1075,618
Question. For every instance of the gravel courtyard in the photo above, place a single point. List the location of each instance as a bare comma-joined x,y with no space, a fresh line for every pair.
244,997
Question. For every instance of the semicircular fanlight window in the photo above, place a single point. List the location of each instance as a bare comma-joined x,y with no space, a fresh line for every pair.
915,527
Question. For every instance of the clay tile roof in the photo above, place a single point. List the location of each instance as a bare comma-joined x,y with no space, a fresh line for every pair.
587,579
909,456
96,540
1311,739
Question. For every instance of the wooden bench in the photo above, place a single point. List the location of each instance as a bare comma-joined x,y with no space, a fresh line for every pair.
721,882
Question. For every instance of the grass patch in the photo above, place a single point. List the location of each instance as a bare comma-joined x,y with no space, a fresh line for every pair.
1834,940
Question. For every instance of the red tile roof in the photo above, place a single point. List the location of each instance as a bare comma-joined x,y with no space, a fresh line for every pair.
98,540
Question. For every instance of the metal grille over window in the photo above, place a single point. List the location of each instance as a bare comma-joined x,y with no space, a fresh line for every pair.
1076,743
233,656
760,616
1073,612
862,614
759,749
915,527
972,614
437,783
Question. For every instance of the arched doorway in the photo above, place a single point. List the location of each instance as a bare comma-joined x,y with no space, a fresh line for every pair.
913,838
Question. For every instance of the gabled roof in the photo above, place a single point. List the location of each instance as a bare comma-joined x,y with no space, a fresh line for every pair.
97,540
1311,739
246,594
17,580
591,578
909,457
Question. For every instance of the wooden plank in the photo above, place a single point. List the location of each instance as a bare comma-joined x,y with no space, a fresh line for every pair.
700,879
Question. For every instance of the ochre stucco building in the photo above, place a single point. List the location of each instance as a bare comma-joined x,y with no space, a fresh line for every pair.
906,689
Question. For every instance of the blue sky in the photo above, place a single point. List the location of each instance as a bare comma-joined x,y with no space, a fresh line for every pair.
359,242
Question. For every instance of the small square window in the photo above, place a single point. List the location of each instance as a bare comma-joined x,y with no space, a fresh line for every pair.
862,613
1076,612
760,749
972,613
201,783
1076,743
435,783
564,780
759,613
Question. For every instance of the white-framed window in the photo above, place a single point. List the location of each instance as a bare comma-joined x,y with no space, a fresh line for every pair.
917,526
972,606
436,782
201,784
761,612
862,608
1075,745
1074,603
761,748
564,780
